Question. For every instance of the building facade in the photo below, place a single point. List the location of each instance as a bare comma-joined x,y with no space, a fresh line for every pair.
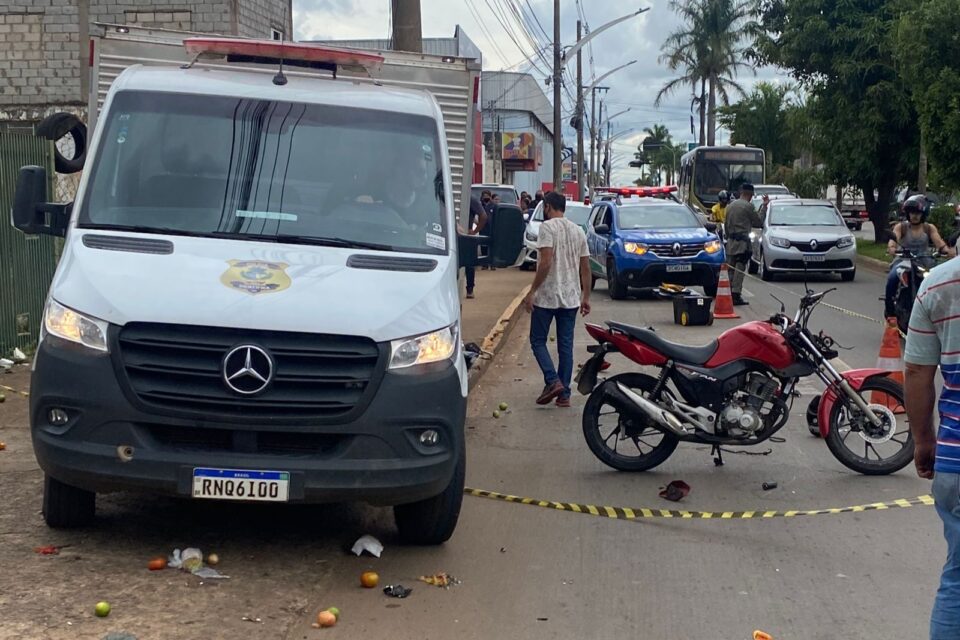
44,50
518,142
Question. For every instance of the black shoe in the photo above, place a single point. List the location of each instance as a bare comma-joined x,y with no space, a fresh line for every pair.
738,301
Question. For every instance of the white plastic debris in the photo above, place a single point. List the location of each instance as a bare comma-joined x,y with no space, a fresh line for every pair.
209,573
5,363
19,356
369,544
191,560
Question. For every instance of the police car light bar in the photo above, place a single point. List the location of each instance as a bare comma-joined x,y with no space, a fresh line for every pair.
274,51
642,191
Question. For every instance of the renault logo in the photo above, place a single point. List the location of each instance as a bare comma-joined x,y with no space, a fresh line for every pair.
247,369
677,249
813,245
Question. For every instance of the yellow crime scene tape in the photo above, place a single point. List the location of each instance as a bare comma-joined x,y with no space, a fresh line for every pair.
627,513
15,391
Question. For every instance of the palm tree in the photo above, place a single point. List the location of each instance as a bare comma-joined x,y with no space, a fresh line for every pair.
708,49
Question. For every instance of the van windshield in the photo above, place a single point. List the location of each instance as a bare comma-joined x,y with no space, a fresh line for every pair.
263,170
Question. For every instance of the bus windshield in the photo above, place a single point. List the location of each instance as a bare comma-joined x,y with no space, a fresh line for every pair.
714,176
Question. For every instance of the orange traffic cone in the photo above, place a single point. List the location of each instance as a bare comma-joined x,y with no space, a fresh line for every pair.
890,359
723,306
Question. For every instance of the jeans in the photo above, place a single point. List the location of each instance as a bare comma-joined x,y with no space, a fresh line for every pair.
540,322
945,620
890,293
471,275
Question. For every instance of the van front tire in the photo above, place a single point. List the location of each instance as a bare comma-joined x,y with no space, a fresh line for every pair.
66,507
432,521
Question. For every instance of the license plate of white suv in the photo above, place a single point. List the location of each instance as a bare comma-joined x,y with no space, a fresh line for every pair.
813,258
241,484
674,268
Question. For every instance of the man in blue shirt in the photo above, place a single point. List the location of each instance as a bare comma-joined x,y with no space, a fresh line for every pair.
934,341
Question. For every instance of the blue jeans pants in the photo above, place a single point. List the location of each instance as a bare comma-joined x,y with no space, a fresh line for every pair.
945,620
540,322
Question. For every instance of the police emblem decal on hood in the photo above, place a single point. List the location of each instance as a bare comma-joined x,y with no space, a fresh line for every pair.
256,276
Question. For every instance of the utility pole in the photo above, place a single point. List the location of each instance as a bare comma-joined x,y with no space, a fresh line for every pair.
594,134
608,160
557,117
407,31
579,115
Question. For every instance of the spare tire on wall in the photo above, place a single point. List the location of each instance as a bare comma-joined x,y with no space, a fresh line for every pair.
67,128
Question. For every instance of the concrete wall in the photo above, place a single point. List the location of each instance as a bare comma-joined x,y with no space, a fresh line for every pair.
43,43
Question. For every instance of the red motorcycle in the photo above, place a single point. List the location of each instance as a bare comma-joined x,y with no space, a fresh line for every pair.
737,391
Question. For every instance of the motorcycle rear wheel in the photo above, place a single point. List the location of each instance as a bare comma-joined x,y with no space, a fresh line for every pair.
847,432
630,433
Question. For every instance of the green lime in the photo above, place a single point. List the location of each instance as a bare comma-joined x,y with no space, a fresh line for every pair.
102,609
503,406
496,414
335,612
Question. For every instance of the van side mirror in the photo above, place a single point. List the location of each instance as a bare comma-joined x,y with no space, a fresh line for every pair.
602,229
710,226
32,214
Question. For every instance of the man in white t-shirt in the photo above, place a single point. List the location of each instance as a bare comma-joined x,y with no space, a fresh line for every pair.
560,288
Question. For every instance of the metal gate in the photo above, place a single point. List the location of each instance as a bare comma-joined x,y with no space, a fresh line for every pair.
27,263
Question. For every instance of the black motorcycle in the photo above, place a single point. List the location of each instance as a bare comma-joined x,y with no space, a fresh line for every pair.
911,271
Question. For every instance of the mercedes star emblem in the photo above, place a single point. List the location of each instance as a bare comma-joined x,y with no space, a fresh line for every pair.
247,369
677,249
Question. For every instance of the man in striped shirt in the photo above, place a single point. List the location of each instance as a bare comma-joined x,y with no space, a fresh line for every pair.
934,340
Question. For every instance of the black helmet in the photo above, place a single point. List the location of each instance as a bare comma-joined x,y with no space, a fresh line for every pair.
919,203
723,196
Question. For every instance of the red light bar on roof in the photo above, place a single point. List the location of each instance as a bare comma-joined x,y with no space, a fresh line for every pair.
642,191
268,51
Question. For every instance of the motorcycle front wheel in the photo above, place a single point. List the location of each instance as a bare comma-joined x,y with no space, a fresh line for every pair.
863,447
624,439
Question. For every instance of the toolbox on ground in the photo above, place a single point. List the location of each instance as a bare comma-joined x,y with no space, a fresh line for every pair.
692,310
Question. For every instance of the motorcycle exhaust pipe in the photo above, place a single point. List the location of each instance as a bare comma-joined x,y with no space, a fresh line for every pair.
658,414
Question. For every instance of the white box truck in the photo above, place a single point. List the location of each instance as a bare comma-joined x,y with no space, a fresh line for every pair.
257,298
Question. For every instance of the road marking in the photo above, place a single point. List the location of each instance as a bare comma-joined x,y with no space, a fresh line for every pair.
635,513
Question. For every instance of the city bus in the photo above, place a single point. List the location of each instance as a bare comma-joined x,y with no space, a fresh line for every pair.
706,171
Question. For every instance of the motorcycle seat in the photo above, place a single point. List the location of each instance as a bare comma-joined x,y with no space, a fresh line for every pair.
680,352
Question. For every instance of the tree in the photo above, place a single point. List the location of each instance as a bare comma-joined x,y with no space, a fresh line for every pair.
928,57
658,152
842,54
761,119
708,48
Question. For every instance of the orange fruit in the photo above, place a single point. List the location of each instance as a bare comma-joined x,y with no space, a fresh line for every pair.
326,619
369,579
157,564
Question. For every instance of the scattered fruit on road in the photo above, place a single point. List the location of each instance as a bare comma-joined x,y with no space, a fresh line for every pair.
335,612
504,406
102,609
326,619
157,564
213,559
369,579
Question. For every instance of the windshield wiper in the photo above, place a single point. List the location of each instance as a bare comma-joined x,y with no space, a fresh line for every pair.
136,228
289,238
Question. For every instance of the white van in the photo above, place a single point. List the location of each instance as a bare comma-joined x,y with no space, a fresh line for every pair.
257,299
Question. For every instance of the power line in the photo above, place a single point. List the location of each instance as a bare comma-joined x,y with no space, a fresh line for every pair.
484,29
506,24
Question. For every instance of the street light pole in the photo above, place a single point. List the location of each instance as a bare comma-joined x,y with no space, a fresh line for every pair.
557,123
579,115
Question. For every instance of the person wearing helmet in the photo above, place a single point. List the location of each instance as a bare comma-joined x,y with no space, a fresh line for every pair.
915,234
719,210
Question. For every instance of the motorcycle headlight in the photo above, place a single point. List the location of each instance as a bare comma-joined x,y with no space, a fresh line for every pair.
637,248
430,347
753,235
67,324
846,241
713,246
783,243
531,236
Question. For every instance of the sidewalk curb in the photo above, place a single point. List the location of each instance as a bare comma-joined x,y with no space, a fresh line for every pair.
873,263
495,339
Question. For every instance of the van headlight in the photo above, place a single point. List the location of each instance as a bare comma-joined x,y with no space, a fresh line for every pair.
67,324
531,236
846,241
430,347
637,248
713,246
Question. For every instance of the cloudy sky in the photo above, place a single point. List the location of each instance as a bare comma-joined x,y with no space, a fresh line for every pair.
639,38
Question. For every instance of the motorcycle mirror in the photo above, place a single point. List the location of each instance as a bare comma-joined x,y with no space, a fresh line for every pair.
783,307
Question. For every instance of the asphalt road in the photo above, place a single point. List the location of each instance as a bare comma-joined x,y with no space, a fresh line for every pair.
525,572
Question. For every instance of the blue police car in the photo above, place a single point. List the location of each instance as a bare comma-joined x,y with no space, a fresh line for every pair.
646,240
